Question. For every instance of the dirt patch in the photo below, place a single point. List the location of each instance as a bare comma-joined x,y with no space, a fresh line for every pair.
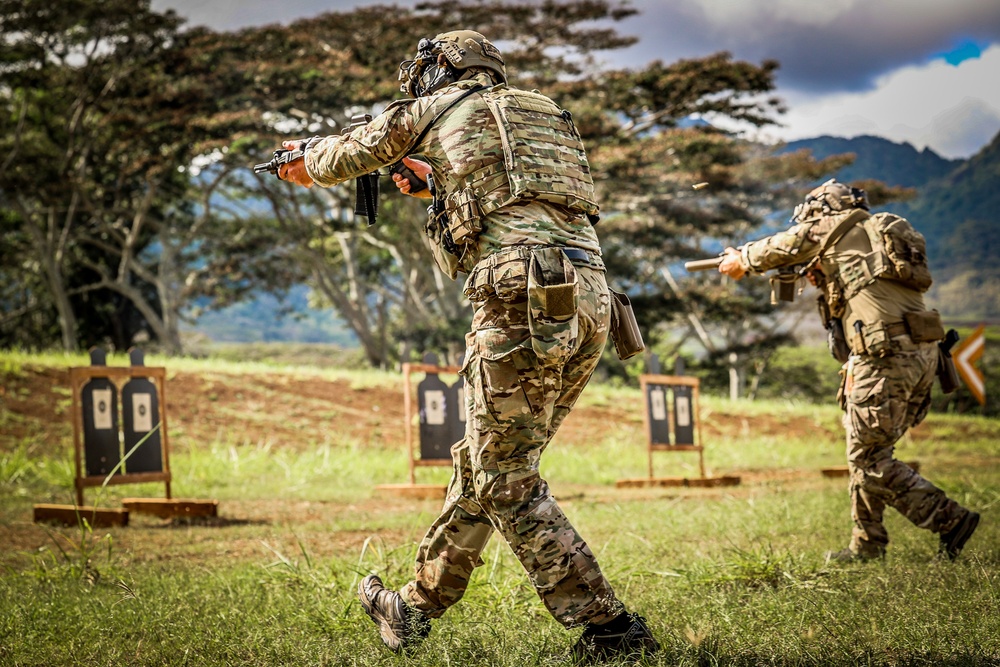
286,411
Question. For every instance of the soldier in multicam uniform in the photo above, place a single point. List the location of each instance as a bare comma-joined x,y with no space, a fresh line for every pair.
514,209
871,271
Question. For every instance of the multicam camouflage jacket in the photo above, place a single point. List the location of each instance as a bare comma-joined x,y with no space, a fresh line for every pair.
504,182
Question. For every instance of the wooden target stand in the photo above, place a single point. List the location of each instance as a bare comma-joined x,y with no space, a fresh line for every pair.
100,445
673,429
441,410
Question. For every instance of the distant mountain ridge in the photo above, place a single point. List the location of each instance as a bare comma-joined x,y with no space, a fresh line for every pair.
876,157
959,214
957,209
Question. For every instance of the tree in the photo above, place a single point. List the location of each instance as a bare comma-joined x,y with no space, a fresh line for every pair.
107,107
381,279
59,65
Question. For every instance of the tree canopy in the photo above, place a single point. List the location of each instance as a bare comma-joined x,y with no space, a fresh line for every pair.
127,204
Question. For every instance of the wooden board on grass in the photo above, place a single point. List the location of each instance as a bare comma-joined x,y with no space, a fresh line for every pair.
699,482
842,471
72,515
168,508
416,491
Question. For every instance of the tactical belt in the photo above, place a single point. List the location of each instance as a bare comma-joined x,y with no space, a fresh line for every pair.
578,256
896,329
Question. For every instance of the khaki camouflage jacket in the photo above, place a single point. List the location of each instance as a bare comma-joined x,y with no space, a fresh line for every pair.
883,301
457,144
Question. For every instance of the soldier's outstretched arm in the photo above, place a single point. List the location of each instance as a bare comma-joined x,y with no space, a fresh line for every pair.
796,245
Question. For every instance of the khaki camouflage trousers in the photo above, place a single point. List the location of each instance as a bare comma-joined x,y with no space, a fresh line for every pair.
515,407
885,397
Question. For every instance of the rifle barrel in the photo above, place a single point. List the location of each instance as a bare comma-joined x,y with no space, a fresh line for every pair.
703,264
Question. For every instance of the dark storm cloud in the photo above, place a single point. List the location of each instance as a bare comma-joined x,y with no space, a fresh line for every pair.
822,45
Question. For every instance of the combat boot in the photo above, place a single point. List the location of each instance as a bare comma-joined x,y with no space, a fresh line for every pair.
953,541
400,625
847,556
625,637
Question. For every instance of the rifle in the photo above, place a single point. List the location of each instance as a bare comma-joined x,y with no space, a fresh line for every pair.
782,282
703,264
366,202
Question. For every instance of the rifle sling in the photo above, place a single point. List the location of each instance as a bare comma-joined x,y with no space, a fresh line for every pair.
841,229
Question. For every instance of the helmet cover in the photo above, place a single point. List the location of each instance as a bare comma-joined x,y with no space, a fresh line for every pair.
830,198
448,57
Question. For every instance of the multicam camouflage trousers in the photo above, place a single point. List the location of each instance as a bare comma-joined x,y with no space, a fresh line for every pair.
884,397
515,407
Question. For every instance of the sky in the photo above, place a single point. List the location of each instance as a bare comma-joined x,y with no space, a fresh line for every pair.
925,72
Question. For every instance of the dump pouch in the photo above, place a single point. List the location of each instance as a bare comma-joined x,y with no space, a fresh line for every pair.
924,326
553,302
624,329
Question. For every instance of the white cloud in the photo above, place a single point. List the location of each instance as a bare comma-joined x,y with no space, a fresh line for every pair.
954,110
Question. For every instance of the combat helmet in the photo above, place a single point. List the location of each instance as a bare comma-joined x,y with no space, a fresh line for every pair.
829,198
448,57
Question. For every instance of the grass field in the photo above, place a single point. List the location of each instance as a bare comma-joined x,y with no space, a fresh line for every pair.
732,576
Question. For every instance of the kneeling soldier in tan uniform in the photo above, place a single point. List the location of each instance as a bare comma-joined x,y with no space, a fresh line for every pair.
872,272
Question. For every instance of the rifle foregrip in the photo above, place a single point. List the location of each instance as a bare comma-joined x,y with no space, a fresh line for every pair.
703,264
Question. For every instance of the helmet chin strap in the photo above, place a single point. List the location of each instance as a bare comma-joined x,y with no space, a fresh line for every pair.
442,76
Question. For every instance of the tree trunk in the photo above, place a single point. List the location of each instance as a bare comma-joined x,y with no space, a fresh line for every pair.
735,378
49,251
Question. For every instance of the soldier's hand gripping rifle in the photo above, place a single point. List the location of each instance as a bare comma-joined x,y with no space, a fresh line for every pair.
281,156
